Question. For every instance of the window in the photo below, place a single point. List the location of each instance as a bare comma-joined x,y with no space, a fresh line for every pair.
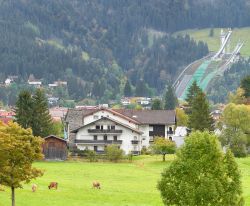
170,138
97,126
115,138
95,137
108,127
101,127
105,137
95,148
135,137
113,127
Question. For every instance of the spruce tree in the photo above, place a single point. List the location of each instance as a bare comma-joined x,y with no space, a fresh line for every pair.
42,122
245,84
200,118
157,104
127,89
24,109
170,99
193,90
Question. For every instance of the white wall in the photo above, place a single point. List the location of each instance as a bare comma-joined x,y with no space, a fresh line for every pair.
126,136
103,113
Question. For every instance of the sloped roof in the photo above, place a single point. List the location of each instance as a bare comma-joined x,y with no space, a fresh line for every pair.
150,116
53,136
113,120
75,116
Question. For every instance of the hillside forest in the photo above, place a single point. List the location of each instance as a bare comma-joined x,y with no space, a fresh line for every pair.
98,45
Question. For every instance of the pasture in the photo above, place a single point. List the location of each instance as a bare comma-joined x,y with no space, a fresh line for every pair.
122,184
213,43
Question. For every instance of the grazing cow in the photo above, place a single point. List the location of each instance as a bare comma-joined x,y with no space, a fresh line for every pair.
96,185
34,187
53,185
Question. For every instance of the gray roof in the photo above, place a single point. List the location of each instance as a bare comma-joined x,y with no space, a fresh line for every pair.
150,116
167,117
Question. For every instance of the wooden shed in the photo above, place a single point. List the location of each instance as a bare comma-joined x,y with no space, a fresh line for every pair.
55,148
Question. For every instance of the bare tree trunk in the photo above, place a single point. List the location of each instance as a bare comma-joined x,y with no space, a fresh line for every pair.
164,157
13,196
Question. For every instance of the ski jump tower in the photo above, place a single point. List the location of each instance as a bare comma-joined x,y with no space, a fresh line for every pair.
225,40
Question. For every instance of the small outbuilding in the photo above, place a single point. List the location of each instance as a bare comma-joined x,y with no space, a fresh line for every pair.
55,148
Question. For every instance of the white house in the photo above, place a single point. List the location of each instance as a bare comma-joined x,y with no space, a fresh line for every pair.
179,136
131,130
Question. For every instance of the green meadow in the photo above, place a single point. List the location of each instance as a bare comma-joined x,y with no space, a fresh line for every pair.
122,184
242,34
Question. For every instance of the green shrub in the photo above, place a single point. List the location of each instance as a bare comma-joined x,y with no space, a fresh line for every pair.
146,151
113,153
91,155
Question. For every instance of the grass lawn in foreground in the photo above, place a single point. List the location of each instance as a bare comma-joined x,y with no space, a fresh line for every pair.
123,184
242,34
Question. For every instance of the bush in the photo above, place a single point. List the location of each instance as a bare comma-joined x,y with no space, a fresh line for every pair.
113,153
146,151
91,155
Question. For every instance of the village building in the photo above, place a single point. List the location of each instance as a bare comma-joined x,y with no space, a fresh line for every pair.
130,130
34,82
54,148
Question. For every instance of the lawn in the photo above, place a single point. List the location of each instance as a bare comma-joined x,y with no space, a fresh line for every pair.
242,34
123,184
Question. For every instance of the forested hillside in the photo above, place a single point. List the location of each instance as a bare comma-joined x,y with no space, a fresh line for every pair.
96,44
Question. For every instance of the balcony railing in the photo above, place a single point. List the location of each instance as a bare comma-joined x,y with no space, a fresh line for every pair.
134,141
114,131
170,132
98,141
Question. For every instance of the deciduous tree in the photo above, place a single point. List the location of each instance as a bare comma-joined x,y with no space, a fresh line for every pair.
202,175
18,150
157,104
163,146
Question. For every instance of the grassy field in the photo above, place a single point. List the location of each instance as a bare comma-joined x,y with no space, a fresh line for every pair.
123,184
242,34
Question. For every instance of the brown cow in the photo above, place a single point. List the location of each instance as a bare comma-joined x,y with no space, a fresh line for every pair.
34,187
53,185
96,185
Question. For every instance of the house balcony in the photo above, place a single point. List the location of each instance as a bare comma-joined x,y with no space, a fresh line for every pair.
135,141
105,131
170,132
102,142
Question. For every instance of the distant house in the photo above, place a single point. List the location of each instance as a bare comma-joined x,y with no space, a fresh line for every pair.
8,81
179,136
55,148
33,81
58,83
57,113
130,130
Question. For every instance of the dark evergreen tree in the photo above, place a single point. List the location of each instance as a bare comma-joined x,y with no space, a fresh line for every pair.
156,105
127,89
24,109
170,99
199,117
141,89
193,90
245,84
41,121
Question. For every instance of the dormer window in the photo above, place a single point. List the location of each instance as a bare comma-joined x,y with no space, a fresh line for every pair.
97,126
